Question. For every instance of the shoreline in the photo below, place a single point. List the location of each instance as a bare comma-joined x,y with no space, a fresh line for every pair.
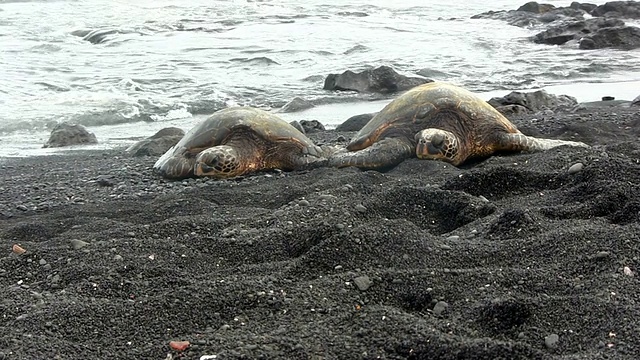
25,144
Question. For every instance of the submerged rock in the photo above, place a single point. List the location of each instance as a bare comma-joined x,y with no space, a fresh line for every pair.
66,134
379,80
95,36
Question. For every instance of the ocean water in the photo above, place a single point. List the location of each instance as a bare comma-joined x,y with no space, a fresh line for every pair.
171,62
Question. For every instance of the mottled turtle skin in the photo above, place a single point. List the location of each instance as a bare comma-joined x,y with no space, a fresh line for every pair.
236,141
436,121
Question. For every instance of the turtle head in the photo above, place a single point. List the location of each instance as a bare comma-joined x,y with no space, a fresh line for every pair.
437,144
218,162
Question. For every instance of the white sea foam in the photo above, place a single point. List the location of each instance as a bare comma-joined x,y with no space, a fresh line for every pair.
166,60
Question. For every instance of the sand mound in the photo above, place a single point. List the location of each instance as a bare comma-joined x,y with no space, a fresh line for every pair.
527,256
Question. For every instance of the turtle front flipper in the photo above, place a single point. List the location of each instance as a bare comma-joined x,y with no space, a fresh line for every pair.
382,154
521,142
175,164
305,162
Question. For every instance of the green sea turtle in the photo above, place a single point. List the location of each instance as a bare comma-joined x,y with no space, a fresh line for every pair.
436,121
237,141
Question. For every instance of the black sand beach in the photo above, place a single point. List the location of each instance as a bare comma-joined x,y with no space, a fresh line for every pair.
527,256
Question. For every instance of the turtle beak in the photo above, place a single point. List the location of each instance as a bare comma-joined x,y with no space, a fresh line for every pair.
426,147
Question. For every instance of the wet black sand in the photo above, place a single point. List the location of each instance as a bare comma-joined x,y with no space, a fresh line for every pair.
515,257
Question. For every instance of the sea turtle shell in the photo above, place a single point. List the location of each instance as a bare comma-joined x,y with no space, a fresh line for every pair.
214,130
226,123
415,110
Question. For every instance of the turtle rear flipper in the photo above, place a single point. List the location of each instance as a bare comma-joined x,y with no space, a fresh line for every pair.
521,142
382,154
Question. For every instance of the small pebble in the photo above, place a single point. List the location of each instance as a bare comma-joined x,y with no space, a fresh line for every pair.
117,258
78,244
551,341
103,180
602,254
453,238
42,262
179,345
17,249
575,168
361,208
363,282
303,203
440,307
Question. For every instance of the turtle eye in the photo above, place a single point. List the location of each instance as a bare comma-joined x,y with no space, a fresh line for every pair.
437,139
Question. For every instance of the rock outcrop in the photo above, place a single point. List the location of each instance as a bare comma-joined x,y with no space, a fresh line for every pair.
621,9
310,126
296,104
157,144
574,30
356,122
66,134
534,101
619,37
379,80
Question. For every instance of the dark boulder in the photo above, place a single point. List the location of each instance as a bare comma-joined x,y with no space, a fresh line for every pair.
512,109
356,122
587,7
534,101
574,30
534,7
620,37
534,14
65,134
379,80
636,101
296,124
623,9
310,126
157,144
296,104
